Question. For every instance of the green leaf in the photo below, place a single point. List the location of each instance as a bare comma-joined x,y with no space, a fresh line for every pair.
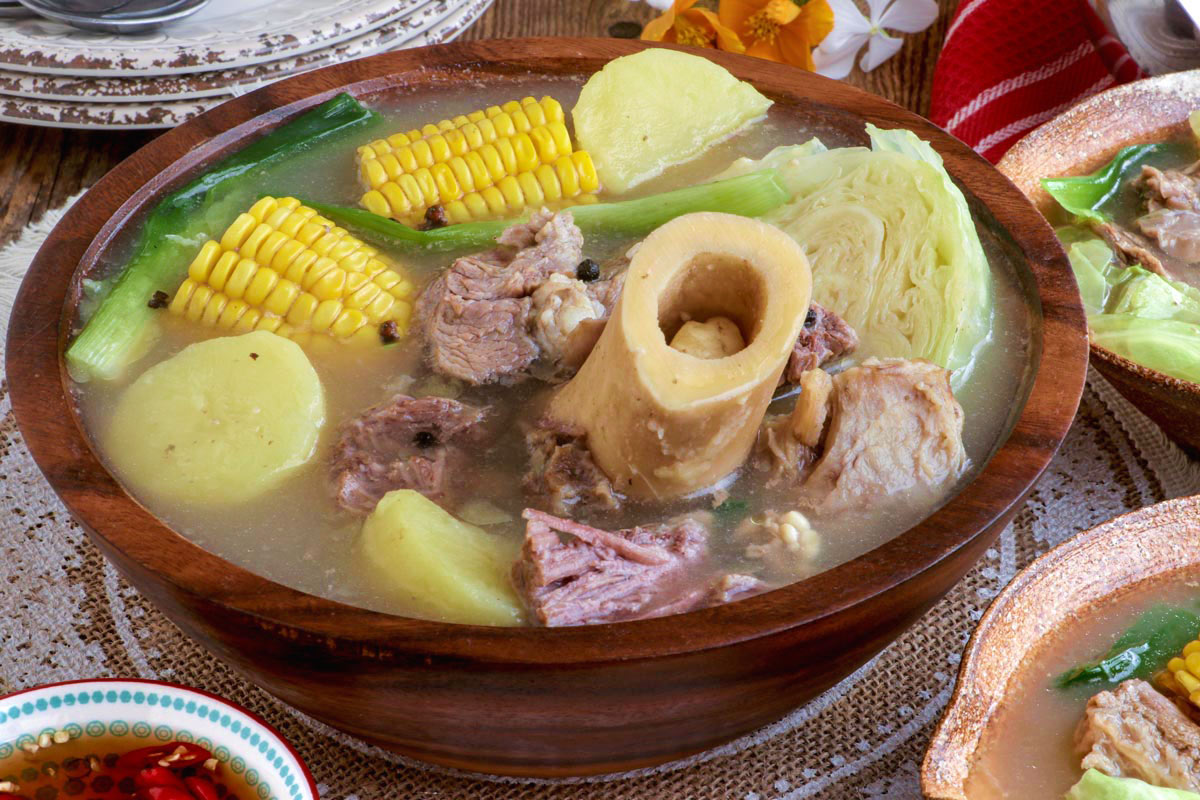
1095,785
731,510
1155,638
1086,195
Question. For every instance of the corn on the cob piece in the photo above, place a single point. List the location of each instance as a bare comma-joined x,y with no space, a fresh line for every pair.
486,164
1182,675
283,268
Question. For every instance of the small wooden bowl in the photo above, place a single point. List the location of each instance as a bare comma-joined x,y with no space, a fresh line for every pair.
532,701
1145,546
1078,141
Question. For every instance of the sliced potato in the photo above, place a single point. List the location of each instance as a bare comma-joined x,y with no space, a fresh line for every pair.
220,422
437,565
645,112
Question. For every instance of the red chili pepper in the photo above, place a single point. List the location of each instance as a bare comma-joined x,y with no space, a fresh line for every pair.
189,756
201,788
164,793
157,776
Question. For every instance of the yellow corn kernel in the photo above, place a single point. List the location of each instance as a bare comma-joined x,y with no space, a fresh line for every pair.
327,311
588,180
568,178
380,307
203,263
396,199
263,207
248,321
268,323
286,255
212,310
330,285
350,320
302,310
373,174
236,233
182,296
234,309
239,277
548,180
197,303
376,203
447,185
281,298
260,286
363,296
534,195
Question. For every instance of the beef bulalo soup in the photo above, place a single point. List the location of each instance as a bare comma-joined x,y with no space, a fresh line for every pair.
618,349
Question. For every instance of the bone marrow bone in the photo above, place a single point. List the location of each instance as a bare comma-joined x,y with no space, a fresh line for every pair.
661,422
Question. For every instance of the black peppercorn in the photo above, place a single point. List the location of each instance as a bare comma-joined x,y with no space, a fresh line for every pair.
810,318
587,271
435,217
158,300
389,332
424,439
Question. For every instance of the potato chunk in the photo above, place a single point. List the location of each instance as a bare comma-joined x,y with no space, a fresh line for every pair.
437,565
218,423
648,111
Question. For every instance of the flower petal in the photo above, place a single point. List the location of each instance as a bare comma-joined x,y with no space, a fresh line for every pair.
734,13
836,61
657,29
795,47
909,16
848,21
880,50
767,50
726,38
815,21
661,5
876,9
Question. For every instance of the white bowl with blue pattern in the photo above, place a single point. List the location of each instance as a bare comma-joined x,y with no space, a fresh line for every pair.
152,712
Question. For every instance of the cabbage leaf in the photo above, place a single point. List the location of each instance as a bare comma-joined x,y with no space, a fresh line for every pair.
1087,196
893,248
1141,315
1095,785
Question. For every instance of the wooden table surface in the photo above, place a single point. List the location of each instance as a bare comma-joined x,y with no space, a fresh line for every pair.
42,167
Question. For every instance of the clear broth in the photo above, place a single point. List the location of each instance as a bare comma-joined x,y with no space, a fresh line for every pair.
298,536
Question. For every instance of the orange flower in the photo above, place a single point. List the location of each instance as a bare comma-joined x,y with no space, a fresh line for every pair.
697,27
780,30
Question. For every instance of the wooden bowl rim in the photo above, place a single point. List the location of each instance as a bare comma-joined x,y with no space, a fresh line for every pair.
935,782
48,420
1076,117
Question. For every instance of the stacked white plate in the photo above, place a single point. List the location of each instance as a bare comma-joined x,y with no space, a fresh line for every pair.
56,76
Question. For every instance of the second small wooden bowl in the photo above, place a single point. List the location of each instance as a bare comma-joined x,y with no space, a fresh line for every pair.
1140,548
1077,142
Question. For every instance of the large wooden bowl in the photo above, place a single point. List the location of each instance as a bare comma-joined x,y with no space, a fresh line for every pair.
535,701
1077,142
1144,547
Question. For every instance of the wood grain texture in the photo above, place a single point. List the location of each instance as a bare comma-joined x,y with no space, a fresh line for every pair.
41,167
532,700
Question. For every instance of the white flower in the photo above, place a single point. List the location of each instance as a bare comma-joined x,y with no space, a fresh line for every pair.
661,5
835,56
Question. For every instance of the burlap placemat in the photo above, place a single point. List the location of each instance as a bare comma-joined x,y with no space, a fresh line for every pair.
65,614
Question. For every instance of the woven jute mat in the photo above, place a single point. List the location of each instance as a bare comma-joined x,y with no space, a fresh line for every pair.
66,614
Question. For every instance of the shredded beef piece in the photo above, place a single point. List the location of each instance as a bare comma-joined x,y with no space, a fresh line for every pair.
562,472
476,317
1171,188
407,443
1135,732
825,336
894,425
1130,248
1177,233
572,574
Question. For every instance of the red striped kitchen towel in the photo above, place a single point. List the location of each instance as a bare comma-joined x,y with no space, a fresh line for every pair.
1007,66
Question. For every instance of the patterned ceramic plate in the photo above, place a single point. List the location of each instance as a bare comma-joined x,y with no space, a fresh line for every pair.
222,82
225,34
117,716
149,116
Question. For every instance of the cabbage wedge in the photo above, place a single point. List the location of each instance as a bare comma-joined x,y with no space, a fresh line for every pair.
893,247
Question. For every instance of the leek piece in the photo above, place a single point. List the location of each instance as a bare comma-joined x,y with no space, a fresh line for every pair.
1086,195
179,224
749,195
1155,638
893,247
1095,785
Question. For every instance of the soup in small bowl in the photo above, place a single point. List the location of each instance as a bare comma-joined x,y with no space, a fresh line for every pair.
569,369
1080,680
